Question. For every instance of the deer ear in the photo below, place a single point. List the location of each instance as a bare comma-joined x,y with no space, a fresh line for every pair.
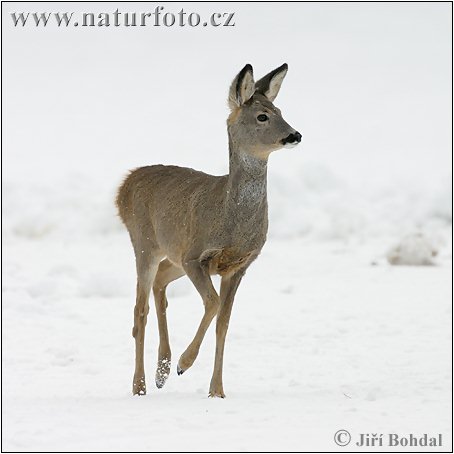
242,88
270,84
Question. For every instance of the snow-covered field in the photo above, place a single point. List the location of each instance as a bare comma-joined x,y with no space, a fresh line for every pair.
325,333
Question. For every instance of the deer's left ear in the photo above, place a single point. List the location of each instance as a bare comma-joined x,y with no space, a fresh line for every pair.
270,84
242,88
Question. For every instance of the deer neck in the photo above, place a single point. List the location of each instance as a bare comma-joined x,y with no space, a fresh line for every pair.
246,184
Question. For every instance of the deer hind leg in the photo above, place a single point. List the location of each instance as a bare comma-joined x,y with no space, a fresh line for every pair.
200,277
167,272
229,286
147,264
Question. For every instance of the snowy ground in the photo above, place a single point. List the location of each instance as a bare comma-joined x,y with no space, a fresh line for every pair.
325,333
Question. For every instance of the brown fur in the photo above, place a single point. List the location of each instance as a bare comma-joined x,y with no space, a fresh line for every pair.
182,221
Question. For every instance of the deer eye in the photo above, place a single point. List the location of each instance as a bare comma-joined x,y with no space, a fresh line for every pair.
262,117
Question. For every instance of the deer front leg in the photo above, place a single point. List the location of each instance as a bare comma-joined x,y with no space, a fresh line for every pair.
200,277
229,286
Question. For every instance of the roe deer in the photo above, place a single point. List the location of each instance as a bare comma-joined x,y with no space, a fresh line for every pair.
182,221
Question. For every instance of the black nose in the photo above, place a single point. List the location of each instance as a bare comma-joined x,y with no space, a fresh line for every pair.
292,138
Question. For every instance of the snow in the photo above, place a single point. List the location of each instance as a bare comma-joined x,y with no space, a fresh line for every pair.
319,340
325,333
412,250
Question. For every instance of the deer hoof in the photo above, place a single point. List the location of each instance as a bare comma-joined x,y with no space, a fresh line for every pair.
160,381
162,372
216,389
138,387
216,394
179,370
